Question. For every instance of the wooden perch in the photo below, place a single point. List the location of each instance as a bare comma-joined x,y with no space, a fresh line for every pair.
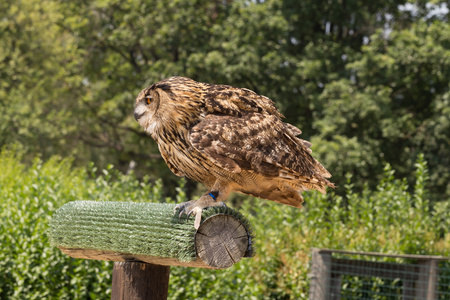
149,232
220,242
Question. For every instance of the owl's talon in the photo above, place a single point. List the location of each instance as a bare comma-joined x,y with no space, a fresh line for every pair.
189,214
182,208
195,208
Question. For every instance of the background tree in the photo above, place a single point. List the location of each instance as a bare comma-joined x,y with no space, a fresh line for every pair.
39,77
394,106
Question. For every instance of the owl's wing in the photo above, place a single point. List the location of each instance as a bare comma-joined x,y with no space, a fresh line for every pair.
262,143
228,100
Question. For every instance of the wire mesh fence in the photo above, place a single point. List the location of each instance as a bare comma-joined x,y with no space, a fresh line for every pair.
364,275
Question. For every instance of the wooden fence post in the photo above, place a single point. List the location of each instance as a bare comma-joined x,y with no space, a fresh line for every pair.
320,275
139,281
427,281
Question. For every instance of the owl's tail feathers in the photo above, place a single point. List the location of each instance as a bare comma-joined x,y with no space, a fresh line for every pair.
322,185
303,183
289,192
287,195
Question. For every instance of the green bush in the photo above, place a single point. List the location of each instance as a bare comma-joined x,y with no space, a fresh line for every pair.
392,219
29,267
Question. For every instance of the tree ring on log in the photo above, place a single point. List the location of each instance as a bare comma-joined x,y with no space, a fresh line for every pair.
222,240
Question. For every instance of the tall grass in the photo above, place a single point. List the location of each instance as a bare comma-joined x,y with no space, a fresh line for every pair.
392,219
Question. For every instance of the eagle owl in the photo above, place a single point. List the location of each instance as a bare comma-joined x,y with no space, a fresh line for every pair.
231,140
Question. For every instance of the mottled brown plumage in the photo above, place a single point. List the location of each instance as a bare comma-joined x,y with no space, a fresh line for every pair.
231,140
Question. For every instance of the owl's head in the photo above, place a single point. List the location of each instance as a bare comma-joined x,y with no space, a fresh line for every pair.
172,102
146,107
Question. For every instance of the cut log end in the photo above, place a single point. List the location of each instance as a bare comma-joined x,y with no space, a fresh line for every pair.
222,240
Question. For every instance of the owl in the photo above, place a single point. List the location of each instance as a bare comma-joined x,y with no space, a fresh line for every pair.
231,140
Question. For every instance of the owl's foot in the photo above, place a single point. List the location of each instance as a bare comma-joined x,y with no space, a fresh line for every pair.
195,208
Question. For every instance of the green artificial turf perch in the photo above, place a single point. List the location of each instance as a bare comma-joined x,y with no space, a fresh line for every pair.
146,229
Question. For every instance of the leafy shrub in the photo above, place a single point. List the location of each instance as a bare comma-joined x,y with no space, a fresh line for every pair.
392,219
29,267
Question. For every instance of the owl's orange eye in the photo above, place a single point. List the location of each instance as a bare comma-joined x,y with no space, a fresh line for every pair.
149,99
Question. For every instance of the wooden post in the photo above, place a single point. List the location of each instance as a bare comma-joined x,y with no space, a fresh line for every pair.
320,275
426,284
139,281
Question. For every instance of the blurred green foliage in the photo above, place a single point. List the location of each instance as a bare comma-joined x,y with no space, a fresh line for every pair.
366,82
29,267
389,219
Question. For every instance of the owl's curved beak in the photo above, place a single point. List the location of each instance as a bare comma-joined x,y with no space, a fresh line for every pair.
137,116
